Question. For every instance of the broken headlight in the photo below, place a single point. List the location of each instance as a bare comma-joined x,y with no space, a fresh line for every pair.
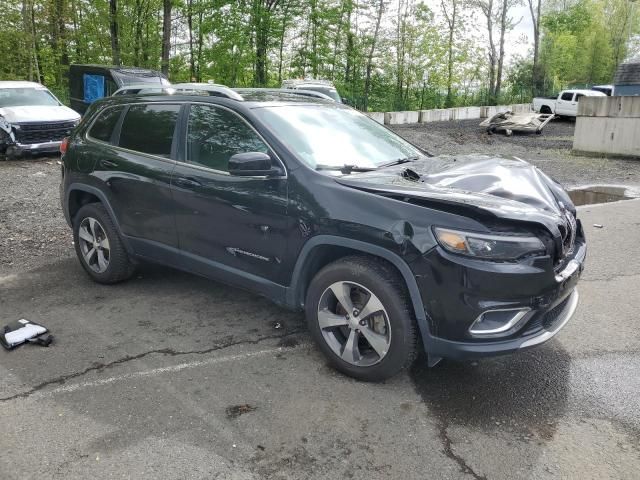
489,247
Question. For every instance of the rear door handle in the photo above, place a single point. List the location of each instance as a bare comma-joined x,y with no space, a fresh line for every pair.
108,164
186,182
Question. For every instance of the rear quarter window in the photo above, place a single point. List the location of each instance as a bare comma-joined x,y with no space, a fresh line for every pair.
102,128
149,129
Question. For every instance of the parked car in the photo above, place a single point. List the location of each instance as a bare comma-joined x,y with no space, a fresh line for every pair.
323,86
145,89
565,104
319,208
606,89
88,83
32,119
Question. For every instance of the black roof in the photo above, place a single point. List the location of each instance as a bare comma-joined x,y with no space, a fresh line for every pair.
628,73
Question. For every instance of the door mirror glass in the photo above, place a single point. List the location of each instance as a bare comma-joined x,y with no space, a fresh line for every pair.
251,164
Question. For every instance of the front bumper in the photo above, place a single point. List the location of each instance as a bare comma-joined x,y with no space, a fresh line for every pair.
551,322
456,291
46,147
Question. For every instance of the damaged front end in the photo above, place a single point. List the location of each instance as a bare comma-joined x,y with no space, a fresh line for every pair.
7,136
505,282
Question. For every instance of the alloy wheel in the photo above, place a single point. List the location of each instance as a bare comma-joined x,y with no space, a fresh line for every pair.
354,323
94,244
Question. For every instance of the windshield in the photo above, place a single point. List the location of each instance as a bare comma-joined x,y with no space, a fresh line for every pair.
330,92
332,135
26,97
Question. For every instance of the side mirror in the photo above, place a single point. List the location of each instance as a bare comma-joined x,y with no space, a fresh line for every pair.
251,164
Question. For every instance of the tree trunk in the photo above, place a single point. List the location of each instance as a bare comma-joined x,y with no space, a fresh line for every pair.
113,29
137,42
36,47
452,19
192,63
535,19
503,29
367,79
262,39
282,35
28,46
166,37
200,42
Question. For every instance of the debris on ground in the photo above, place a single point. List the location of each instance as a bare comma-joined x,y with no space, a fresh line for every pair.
234,411
509,122
24,331
597,225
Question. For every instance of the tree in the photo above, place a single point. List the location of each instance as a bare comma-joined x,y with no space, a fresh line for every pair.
113,28
535,7
450,10
166,36
372,49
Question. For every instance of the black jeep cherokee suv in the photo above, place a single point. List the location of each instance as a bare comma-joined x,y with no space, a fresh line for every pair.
314,205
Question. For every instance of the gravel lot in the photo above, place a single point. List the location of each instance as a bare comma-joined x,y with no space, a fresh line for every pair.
550,151
170,375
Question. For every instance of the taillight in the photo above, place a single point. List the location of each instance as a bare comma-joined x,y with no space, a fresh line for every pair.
64,145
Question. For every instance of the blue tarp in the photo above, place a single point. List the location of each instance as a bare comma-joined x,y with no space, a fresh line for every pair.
93,87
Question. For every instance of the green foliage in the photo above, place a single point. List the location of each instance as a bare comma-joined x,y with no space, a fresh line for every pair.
262,42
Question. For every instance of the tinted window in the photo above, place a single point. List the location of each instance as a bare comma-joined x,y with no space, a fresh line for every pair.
103,127
149,128
567,96
579,96
215,134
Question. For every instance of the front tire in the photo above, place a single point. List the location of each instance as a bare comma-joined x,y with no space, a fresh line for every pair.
360,316
99,246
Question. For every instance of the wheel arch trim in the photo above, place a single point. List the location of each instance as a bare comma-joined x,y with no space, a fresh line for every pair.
294,292
103,199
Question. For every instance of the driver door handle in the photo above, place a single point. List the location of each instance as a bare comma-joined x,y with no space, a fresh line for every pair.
186,182
108,164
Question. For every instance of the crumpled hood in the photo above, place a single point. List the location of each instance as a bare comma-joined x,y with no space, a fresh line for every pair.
39,113
506,188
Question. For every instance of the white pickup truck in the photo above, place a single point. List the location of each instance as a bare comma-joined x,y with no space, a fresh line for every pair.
566,104
32,119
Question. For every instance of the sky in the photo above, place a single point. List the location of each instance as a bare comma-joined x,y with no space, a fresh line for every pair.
513,43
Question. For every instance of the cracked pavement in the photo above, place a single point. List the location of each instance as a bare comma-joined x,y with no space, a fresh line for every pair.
142,376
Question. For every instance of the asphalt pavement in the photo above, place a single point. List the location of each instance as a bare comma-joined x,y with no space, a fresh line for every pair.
174,376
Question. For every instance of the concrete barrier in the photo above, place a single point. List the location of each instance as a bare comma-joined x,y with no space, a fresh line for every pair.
435,115
377,116
400,118
447,114
465,113
608,125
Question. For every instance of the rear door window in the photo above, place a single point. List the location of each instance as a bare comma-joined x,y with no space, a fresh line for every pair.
567,96
149,129
215,134
102,128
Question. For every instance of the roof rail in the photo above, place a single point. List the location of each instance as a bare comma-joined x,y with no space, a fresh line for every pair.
301,81
211,89
285,91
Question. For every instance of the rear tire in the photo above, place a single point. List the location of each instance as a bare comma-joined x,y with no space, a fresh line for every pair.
378,338
99,246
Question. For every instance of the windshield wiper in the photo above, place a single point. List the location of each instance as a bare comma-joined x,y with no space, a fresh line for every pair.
345,169
399,161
